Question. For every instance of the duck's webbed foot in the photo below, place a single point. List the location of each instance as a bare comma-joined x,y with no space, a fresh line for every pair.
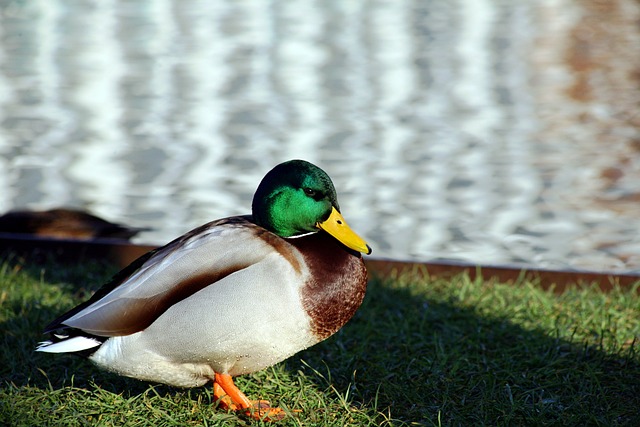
230,397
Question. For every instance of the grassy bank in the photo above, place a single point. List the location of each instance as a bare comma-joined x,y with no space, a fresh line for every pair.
419,352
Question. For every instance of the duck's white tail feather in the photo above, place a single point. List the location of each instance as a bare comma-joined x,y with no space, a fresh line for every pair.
68,345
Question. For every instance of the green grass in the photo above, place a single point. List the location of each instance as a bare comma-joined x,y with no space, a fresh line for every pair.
419,352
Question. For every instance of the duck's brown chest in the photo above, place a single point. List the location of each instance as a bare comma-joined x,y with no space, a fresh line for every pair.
337,283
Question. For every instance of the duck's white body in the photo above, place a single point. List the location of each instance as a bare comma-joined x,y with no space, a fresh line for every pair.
204,333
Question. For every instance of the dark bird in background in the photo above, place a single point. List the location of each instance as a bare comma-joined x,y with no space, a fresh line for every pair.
64,223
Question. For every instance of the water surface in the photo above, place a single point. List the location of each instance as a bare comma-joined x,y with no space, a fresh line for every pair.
428,115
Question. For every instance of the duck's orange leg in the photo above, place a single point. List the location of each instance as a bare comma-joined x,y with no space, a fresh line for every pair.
230,397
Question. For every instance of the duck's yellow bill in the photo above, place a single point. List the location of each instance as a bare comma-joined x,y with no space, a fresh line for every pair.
338,228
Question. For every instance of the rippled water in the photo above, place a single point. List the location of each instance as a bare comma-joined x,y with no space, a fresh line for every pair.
425,113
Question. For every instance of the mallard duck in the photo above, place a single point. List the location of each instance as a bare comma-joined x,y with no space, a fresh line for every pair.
231,297
64,223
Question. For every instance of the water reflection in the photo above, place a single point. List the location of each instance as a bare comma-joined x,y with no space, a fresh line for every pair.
434,119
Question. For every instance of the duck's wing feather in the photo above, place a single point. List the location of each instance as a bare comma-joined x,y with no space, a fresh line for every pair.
161,278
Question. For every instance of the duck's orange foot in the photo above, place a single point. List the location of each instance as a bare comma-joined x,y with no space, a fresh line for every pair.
223,399
262,410
230,397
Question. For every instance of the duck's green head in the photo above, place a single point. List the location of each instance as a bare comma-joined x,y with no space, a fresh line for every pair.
297,197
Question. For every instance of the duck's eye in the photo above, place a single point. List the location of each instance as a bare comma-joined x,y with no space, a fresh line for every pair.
310,192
